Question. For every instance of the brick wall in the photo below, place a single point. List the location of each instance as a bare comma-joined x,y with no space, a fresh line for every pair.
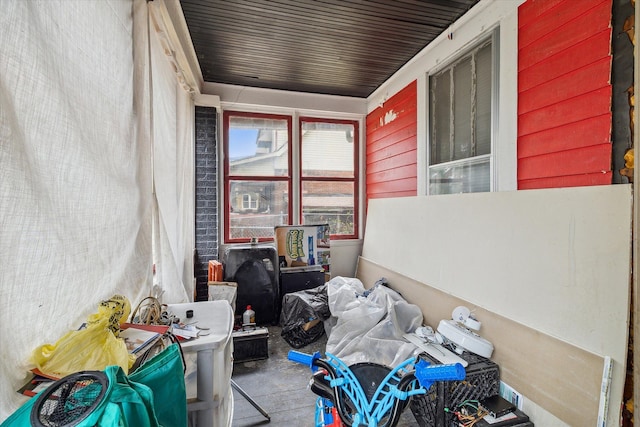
206,220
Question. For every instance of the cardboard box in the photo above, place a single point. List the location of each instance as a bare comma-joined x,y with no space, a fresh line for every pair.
303,246
223,291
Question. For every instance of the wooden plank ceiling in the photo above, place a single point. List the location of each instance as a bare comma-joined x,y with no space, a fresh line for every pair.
337,47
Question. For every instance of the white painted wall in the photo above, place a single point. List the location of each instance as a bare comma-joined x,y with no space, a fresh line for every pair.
344,257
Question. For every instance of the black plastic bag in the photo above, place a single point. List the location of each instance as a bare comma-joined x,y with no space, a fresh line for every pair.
302,316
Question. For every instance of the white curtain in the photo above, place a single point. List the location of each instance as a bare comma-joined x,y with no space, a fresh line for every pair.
173,123
76,154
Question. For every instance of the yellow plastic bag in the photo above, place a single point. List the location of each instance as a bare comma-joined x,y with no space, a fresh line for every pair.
93,348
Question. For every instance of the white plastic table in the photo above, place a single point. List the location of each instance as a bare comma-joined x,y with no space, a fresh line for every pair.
213,403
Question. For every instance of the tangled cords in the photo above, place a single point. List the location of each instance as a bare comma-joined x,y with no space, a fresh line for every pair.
469,413
150,312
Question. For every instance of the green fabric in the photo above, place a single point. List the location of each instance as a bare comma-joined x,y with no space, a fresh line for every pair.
153,396
127,404
164,374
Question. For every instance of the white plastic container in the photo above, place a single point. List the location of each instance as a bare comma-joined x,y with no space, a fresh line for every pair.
249,316
209,362
464,338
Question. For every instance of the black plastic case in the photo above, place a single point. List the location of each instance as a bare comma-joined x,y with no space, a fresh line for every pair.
255,269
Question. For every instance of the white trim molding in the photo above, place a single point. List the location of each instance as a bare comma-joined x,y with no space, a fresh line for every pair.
176,41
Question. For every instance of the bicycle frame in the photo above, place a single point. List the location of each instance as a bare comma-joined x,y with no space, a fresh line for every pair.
350,406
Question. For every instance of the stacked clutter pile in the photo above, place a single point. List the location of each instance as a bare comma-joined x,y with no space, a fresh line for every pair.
362,325
368,325
371,327
482,380
303,316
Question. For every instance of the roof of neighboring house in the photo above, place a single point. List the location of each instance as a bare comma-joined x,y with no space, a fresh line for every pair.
321,151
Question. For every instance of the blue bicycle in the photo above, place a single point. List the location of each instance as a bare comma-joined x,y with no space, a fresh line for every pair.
368,394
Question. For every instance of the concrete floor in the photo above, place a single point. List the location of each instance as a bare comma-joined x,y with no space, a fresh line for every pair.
280,388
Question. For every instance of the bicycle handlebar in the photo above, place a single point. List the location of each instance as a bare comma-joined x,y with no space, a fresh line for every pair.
304,358
427,374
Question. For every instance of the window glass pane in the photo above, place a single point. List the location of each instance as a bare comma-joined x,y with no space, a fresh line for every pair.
483,100
327,149
255,207
462,177
440,107
258,146
329,202
461,162
462,110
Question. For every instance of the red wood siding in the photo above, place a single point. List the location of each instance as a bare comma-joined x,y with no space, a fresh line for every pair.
564,93
391,160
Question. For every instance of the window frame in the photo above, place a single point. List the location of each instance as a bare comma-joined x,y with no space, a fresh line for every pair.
227,178
294,178
493,38
356,172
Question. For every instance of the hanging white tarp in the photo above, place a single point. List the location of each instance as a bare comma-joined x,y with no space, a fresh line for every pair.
76,154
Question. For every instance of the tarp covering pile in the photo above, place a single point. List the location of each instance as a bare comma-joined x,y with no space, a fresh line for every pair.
369,324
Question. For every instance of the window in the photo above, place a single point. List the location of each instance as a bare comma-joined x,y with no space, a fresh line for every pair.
257,169
259,175
329,184
461,102
250,202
